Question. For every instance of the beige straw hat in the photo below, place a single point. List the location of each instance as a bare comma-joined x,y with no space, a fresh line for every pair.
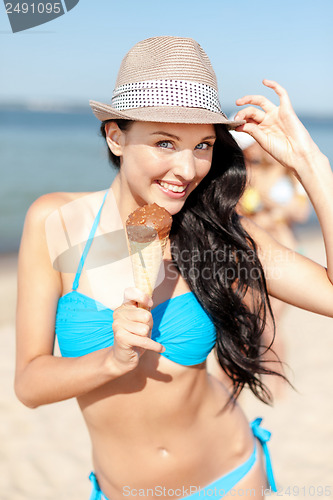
165,79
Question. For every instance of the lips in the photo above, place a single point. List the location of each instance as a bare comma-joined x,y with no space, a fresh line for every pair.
172,194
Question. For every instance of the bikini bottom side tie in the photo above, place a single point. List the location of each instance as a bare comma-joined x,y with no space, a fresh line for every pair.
264,436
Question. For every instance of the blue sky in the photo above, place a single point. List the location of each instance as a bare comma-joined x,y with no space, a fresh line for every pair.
76,57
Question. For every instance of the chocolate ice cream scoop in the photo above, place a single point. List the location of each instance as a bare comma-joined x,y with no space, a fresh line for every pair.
146,222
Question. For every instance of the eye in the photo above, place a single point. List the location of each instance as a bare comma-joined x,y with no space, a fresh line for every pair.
203,146
165,144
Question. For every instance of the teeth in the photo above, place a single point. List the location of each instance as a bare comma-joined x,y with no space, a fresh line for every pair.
171,187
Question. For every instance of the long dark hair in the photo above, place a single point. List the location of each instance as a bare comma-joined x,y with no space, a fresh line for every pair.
222,265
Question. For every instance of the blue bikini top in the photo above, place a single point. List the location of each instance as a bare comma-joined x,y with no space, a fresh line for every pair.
181,325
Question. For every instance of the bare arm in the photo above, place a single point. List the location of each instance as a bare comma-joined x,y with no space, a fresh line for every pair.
292,277
40,377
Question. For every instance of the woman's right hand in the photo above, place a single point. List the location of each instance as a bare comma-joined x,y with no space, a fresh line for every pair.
132,326
278,130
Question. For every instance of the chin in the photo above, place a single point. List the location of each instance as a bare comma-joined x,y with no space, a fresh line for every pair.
173,210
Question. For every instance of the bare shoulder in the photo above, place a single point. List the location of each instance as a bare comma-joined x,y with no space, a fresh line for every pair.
270,250
44,213
257,233
246,223
43,206
36,247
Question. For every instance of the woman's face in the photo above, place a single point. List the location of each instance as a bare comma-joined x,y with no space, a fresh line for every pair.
161,162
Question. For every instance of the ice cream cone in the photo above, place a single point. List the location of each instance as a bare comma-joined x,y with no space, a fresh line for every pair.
146,262
148,231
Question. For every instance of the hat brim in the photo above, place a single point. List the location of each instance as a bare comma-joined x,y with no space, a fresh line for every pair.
166,114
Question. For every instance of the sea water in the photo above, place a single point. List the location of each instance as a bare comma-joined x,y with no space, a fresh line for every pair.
43,152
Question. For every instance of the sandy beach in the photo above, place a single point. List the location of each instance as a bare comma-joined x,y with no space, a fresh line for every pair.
45,453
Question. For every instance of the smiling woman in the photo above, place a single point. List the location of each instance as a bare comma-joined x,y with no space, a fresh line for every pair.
170,141
175,159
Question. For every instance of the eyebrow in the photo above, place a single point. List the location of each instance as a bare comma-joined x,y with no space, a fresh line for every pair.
172,136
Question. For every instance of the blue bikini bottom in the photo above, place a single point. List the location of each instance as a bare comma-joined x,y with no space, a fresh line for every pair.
224,484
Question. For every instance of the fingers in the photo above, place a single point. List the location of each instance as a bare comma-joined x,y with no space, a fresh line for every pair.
256,100
133,319
138,321
125,338
280,91
128,317
263,102
132,328
134,295
250,113
137,314
253,130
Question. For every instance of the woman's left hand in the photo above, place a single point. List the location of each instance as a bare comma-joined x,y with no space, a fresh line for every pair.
277,129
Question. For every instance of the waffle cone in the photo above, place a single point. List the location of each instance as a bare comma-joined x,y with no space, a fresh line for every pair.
146,262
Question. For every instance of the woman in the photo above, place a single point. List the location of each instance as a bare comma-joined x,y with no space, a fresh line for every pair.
159,423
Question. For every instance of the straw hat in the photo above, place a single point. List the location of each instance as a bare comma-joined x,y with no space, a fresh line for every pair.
165,79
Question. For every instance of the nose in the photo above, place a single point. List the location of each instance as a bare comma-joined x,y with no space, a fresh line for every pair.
184,167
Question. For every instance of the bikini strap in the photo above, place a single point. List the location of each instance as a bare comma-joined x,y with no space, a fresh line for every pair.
264,436
87,246
96,492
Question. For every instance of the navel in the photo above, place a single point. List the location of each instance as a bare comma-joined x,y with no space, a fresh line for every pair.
162,452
